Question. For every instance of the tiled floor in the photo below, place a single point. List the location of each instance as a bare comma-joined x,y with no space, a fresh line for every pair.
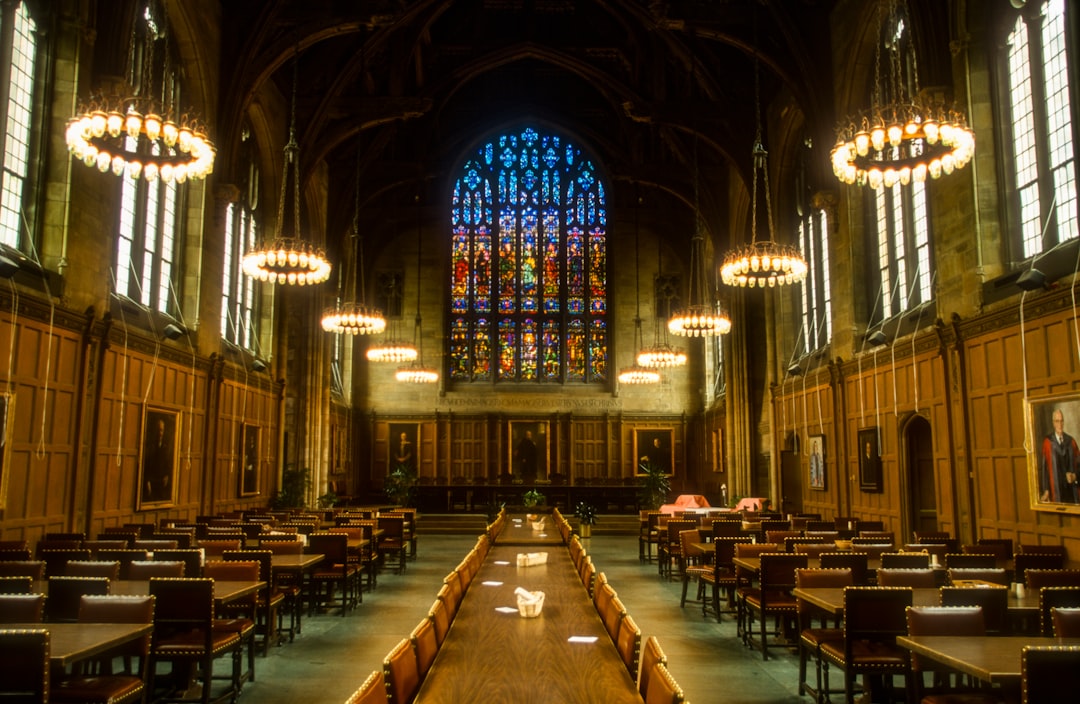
334,654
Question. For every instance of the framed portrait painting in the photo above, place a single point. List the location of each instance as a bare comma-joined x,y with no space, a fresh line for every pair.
1054,457
158,458
402,445
870,479
249,459
655,446
816,467
528,450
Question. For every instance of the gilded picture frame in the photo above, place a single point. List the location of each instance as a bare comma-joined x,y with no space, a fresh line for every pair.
870,472
527,452
249,460
1053,463
816,463
158,458
656,446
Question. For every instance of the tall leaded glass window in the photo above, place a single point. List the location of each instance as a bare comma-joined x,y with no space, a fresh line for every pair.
816,291
148,234
238,299
903,247
19,42
1043,165
528,286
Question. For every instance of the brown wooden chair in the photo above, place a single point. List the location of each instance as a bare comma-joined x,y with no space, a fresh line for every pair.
401,673
996,575
124,556
1051,598
994,602
722,575
104,544
1023,562
651,656
268,601
669,550
425,645
772,598
146,569
810,636
663,689
335,572
14,554
213,548
1037,579
184,632
970,561
628,643
902,577
65,593
110,569
22,608
238,615
855,561
56,559
610,609
1047,671
1066,621
372,691
943,621
438,615
905,560
393,542
873,617
24,665
16,585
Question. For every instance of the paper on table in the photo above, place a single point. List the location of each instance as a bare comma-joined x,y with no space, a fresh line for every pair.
491,584
581,639
506,609
501,562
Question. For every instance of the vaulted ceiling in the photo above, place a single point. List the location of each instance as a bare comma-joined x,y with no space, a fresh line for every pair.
650,87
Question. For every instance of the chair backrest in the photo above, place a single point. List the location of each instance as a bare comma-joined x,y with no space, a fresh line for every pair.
35,569
931,536
282,547
588,575
76,536
16,585
778,571
440,618
401,673
1037,579
942,621
191,557
15,554
755,549
996,575
901,577
651,655
780,536
663,689
809,578
95,546
56,559
425,645
14,544
726,528
628,643
146,569
24,664
154,544
970,560
1052,598
22,608
875,613
1034,549
213,548
333,546
1066,621
854,561
993,600
372,691
610,609
676,526
1023,562
110,569
1000,551
905,560
1002,547
233,570
182,605
65,593
1046,671
117,608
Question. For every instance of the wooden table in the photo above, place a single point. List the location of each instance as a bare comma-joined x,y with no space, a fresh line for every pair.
502,657
294,564
994,659
519,531
831,599
70,643
224,590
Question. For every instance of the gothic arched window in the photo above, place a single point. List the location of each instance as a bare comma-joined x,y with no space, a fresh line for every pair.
528,283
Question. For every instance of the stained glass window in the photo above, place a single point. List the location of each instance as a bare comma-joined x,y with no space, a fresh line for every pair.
528,252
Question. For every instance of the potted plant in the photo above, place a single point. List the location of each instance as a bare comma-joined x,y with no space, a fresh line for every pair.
532,498
327,500
654,485
294,487
400,485
586,514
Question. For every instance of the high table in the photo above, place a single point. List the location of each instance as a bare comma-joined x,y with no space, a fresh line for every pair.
502,657
519,531
70,643
990,659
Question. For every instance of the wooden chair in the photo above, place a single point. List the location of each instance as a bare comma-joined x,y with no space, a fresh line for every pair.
1046,671
94,546
1037,579
943,621
722,575
16,585
651,656
437,614
693,566
213,548
610,610
268,601
1023,562
393,541
970,561
56,559
22,608
239,615
663,689
772,598
588,575
994,602
117,608
146,569
810,636
335,572
401,673
669,549
918,578
124,556
372,691
854,561
35,569
905,560
185,632
14,544
1066,621
745,581
110,569
456,591
873,617
24,665
628,643
62,604
14,554
996,575
1051,598
425,645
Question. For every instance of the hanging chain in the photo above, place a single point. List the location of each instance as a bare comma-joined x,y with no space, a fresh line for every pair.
761,162
357,245
294,151
417,332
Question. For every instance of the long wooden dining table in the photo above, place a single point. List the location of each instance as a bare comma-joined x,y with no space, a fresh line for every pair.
831,599
991,659
491,653
70,643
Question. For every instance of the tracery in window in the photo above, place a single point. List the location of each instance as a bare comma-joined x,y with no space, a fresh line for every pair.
19,42
1043,165
816,288
238,294
528,252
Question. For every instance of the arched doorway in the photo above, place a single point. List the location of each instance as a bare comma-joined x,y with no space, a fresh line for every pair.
922,489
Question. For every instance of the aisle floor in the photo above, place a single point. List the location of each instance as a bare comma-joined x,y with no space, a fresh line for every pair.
334,654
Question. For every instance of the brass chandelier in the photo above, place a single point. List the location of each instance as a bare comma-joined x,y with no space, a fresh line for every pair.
288,259
352,315
901,138
764,263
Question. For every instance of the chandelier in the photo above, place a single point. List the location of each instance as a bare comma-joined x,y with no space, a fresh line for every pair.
352,316
141,136
415,372
902,137
288,259
765,263
393,349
